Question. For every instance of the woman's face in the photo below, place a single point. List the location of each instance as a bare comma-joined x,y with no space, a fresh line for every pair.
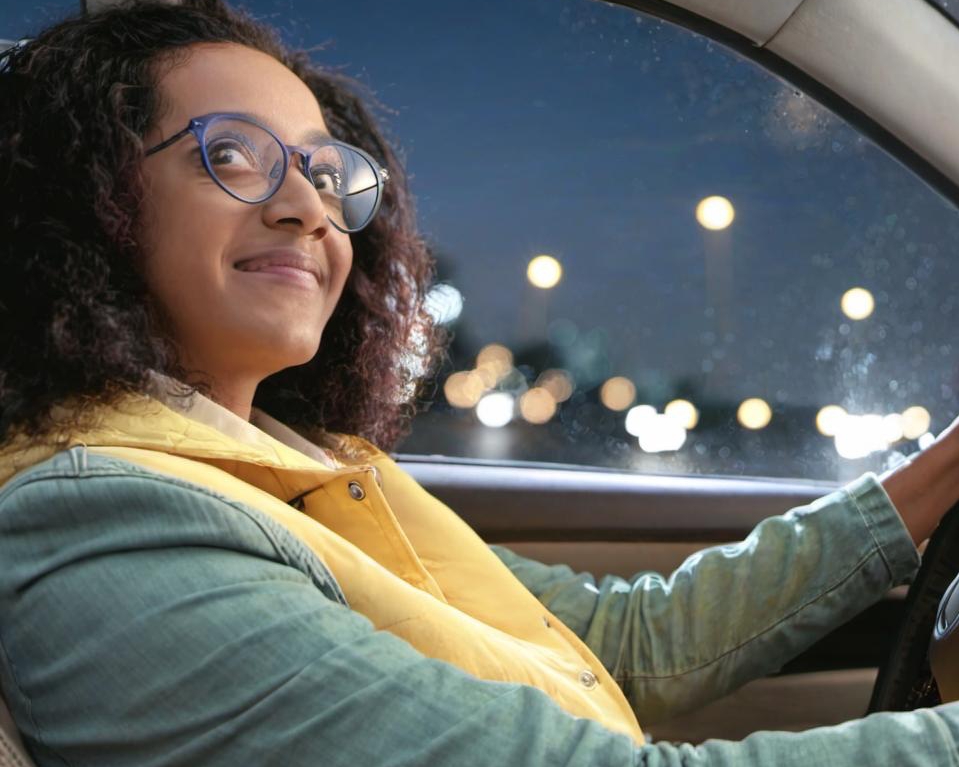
235,314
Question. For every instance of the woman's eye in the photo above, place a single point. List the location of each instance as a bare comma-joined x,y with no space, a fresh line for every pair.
232,154
326,180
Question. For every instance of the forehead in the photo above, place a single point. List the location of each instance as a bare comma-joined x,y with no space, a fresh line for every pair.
226,77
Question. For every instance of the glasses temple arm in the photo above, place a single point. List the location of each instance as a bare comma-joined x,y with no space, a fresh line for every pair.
164,144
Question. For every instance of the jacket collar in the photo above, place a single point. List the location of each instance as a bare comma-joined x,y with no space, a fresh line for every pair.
191,427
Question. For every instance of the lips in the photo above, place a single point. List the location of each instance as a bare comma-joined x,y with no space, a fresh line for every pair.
288,262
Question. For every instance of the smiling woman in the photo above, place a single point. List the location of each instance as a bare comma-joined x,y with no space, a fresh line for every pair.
269,273
164,235
199,230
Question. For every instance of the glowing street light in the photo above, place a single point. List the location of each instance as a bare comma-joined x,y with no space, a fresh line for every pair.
857,303
715,213
829,420
544,272
754,413
495,409
683,412
617,393
537,405
915,422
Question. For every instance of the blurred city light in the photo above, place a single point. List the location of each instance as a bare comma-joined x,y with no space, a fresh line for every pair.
683,412
925,440
444,303
892,428
860,435
544,272
488,376
715,213
495,409
557,382
637,416
829,419
754,413
464,389
617,393
659,433
496,359
857,303
537,405
915,422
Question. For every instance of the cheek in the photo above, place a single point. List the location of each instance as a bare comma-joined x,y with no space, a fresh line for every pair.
183,237
341,262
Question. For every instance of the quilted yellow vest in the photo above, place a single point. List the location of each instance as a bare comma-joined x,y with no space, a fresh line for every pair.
402,558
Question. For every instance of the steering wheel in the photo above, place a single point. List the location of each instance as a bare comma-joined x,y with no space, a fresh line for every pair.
905,679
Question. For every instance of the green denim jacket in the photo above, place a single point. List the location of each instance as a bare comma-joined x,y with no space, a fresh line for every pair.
146,621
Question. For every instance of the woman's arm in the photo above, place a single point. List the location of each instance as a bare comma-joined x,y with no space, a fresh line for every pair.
148,622
924,489
734,613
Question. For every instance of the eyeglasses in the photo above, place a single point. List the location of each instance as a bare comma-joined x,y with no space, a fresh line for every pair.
248,161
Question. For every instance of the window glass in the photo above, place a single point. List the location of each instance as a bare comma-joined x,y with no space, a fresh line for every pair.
745,284
724,241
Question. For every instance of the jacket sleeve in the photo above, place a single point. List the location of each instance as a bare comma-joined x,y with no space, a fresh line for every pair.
731,614
149,622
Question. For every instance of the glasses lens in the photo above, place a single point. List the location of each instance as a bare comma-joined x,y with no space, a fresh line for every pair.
245,159
349,184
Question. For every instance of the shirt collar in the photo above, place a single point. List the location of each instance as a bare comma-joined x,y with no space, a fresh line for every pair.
254,432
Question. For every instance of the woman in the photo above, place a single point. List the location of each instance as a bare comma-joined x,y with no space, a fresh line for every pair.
200,228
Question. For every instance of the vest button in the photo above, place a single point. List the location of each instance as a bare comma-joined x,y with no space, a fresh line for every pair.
357,493
588,679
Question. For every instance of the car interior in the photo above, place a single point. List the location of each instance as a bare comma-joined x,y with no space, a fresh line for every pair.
884,67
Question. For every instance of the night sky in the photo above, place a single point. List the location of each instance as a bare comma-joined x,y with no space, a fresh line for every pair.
588,132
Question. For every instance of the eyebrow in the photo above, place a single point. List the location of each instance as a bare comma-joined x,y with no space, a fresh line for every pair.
313,136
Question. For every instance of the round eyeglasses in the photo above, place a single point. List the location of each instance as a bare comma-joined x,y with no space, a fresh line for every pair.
248,161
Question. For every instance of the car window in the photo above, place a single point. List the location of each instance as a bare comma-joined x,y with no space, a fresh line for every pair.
746,285
652,254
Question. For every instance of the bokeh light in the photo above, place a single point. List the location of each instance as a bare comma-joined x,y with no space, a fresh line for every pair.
464,389
444,303
557,382
495,409
892,428
860,435
617,393
857,303
829,419
537,405
544,272
915,422
660,433
637,416
715,213
925,440
496,359
754,413
683,412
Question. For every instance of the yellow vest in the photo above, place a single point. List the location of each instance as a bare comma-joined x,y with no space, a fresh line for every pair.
401,557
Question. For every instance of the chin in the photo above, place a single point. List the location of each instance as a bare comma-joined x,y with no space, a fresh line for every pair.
297,352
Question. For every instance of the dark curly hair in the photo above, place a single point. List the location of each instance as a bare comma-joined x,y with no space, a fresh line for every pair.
76,320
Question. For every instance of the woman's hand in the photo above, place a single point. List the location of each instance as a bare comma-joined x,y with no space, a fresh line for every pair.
924,489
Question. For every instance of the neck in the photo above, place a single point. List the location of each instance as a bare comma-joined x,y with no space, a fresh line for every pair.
234,392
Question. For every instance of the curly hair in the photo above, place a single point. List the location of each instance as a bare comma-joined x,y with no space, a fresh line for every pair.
75,315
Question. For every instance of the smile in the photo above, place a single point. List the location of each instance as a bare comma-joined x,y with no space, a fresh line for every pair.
287,264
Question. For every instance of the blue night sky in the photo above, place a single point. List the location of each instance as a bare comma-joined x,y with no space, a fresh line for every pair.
586,131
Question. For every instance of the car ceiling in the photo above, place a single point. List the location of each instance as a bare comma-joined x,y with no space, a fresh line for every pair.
893,61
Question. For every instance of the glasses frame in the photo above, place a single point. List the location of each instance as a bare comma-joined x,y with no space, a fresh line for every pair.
198,126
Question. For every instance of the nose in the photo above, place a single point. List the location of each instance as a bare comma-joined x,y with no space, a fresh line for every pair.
297,205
